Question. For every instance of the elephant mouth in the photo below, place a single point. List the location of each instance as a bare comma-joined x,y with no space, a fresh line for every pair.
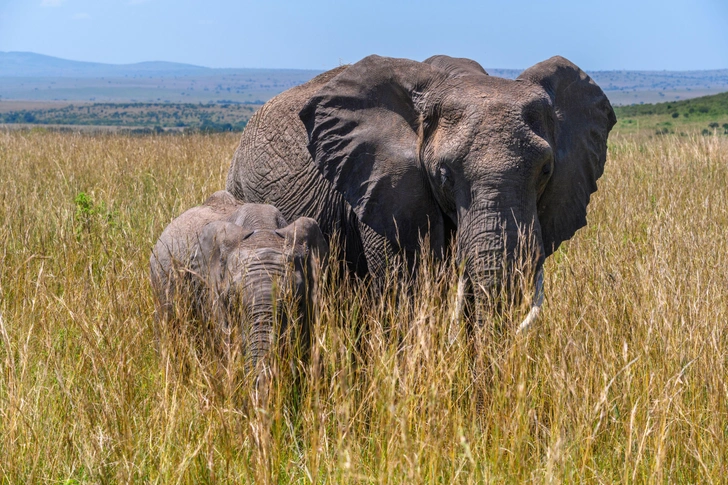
505,275
535,305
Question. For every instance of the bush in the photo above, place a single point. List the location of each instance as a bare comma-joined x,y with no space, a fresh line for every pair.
89,213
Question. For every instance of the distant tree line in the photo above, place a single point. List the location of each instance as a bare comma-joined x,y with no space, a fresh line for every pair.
703,107
208,118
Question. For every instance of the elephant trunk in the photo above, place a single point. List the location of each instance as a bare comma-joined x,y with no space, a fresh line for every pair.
260,335
498,251
260,290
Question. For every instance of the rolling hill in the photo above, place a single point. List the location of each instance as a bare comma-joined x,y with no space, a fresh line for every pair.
29,64
35,77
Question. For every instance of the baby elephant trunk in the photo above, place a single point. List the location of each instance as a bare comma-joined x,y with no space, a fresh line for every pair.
265,299
260,335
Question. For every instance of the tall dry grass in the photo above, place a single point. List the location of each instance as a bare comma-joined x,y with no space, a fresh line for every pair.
623,379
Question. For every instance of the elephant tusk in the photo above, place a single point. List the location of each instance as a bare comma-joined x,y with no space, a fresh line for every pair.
538,296
457,311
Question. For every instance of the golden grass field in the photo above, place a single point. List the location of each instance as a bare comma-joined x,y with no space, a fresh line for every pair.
624,379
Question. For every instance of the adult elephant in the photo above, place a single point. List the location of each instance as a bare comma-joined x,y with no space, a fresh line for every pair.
387,150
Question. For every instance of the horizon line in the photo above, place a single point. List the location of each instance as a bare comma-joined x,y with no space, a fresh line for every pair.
197,66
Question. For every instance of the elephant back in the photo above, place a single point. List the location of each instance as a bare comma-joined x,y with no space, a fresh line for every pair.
272,150
272,165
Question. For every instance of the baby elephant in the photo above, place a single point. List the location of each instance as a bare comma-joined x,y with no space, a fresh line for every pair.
232,264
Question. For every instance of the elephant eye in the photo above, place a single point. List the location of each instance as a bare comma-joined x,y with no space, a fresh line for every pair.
547,163
445,175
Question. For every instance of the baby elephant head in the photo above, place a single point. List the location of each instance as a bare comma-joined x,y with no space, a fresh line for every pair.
260,282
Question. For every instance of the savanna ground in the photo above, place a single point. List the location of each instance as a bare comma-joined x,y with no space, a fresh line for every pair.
623,379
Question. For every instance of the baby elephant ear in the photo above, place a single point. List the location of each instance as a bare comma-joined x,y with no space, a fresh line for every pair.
583,118
310,251
214,243
305,235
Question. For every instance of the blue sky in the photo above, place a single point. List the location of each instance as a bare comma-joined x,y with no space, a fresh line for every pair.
320,34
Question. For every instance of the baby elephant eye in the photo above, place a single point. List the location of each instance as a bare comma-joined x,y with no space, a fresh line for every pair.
546,169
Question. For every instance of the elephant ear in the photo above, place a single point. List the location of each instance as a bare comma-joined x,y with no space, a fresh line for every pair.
583,118
456,66
215,242
364,136
304,235
310,253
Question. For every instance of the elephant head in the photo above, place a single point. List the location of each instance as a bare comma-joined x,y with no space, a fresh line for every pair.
442,148
246,275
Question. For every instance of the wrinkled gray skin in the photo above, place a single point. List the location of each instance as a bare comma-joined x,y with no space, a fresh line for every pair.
226,256
388,150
